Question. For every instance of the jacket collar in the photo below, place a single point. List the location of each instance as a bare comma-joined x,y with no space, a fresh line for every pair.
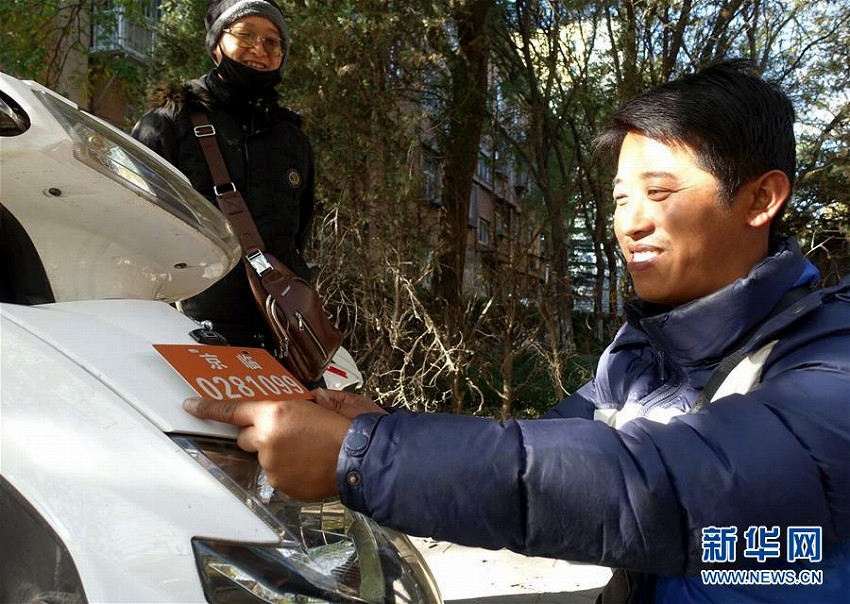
707,328
234,97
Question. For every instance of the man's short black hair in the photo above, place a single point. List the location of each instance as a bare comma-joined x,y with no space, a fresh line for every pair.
738,124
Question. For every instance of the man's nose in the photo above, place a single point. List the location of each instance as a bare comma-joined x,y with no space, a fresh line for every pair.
634,218
260,48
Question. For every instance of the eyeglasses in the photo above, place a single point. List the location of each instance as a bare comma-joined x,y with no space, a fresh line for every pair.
244,39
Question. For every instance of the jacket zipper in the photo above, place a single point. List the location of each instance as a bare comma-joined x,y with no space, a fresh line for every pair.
665,392
662,358
246,134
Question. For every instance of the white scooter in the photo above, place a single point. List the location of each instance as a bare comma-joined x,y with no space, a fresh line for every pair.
109,491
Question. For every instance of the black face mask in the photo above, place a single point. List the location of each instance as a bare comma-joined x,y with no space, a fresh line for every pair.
252,82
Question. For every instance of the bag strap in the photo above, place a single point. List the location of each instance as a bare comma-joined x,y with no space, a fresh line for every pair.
230,200
729,362
233,206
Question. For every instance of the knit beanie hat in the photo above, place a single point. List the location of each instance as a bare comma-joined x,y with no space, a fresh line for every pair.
222,13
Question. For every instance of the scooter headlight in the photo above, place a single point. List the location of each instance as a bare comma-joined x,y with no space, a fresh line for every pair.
326,552
134,166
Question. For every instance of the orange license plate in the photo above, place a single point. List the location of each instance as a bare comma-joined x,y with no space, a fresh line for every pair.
232,372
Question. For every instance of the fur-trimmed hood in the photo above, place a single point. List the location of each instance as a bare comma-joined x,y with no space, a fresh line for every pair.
173,96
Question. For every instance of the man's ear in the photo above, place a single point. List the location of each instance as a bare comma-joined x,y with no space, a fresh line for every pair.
769,192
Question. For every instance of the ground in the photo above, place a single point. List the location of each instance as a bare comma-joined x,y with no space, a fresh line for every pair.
478,576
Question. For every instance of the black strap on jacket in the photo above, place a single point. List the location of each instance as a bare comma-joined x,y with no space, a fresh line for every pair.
732,360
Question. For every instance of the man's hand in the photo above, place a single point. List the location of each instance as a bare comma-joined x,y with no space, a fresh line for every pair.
297,442
344,403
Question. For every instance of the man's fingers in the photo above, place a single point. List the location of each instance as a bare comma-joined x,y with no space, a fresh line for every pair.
344,403
329,399
238,413
248,439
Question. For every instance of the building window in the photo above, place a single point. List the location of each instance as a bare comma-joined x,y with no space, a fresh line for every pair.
134,35
485,169
499,225
431,177
473,207
483,232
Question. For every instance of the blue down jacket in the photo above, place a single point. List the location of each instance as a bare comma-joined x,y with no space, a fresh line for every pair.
636,491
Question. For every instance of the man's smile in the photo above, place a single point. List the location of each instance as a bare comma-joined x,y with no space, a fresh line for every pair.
643,256
256,65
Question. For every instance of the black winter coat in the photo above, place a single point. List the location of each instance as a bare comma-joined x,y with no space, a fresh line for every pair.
270,160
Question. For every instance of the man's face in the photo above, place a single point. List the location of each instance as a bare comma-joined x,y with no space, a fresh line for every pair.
680,240
235,42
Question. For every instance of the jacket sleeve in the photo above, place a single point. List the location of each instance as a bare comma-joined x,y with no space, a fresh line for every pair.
157,131
634,498
579,404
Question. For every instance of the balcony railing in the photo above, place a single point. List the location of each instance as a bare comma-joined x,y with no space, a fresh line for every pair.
124,35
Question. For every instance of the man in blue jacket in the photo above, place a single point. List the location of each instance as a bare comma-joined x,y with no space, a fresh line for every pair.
670,464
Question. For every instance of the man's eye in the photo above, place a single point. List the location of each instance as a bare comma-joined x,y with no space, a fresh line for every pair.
657,194
620,199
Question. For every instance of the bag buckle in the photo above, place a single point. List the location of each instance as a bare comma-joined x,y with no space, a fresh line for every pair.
219,190
204,130
258,262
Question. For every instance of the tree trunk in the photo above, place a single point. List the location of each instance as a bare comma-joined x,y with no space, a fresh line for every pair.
467,112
